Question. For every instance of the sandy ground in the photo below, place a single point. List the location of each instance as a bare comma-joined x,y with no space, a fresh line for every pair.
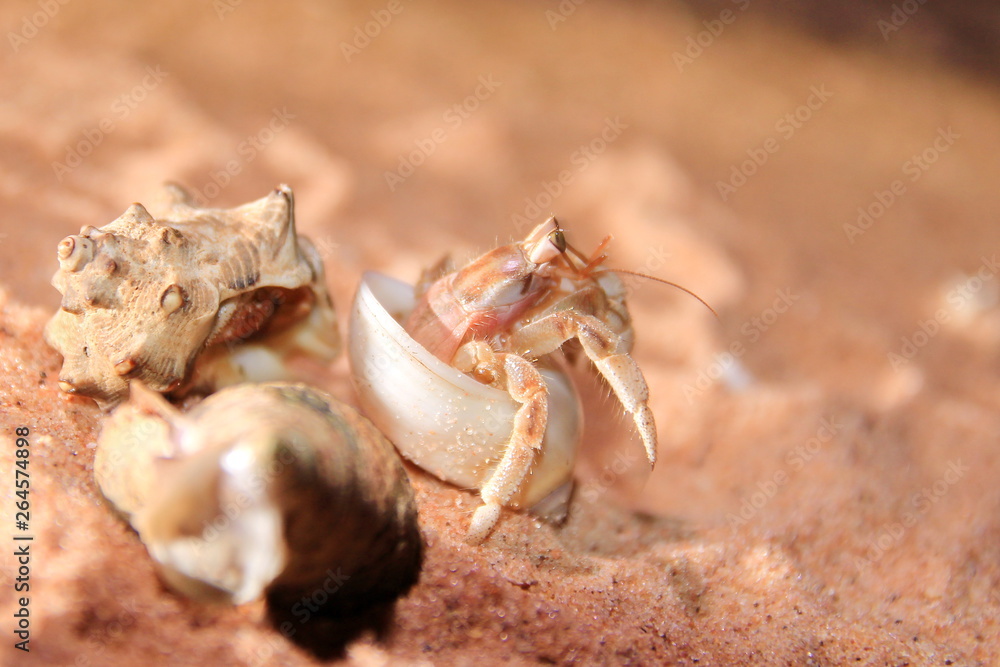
826,179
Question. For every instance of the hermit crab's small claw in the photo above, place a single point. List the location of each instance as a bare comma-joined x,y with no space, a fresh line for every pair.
647,431
482,524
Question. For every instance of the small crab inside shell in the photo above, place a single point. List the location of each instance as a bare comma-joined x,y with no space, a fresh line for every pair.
442,419
476,393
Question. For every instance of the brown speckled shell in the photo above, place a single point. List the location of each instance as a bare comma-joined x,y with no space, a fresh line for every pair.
194,485
146,297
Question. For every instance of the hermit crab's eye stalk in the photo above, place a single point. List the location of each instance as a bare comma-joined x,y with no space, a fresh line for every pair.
558,239
547,249
544,243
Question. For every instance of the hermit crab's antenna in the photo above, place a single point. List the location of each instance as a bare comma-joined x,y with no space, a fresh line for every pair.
595,259
672,284
599,256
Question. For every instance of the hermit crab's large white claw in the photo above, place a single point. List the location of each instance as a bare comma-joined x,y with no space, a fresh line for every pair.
443,420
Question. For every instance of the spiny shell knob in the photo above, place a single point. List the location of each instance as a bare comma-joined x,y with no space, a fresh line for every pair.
66,247
172,299
74,253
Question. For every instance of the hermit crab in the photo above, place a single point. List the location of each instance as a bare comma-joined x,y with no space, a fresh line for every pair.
262,489
461,373
189,299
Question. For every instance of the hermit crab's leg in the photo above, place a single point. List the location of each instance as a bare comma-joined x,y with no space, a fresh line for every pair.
607,350
525,385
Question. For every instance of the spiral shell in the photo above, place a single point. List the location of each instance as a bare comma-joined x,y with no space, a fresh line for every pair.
272,489
443,420
192,299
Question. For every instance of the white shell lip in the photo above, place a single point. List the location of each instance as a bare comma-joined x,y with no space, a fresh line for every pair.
440,418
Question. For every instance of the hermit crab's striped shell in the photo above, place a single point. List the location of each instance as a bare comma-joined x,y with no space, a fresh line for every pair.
263,489
180,300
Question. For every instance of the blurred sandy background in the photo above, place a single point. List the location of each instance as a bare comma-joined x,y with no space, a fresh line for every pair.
824,176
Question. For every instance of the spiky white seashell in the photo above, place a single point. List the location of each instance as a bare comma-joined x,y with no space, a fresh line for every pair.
189,299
